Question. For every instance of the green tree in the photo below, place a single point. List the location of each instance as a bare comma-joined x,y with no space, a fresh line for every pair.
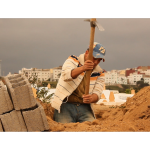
140,84
33,80
41,94
128,91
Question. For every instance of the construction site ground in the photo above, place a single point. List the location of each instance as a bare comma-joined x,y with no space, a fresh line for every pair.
132,116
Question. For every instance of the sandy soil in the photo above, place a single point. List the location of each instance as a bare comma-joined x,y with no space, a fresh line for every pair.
134,115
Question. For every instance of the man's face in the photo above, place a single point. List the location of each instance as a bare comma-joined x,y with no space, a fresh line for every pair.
96,61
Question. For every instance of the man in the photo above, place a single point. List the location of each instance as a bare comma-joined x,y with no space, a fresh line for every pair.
70,102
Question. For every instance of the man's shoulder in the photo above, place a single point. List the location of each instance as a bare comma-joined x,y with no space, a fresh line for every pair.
73,57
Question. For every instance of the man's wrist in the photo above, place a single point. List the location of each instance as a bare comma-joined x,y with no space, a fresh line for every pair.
82,68
94,98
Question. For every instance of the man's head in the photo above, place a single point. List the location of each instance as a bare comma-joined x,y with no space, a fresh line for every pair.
98,53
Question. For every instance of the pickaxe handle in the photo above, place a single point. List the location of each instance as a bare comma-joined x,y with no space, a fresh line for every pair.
88,73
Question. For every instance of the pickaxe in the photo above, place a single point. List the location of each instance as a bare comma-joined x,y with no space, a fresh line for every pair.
93,24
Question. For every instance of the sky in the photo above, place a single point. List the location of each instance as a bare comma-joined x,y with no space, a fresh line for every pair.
47,42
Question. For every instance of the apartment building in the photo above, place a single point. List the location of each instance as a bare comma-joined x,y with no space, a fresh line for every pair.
121,79
42,74
134,77
146,79
57,72
114,77
146,72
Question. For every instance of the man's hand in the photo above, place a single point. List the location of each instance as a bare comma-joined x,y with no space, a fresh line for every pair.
88,65
90,98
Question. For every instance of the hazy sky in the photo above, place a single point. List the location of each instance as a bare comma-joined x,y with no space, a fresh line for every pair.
46,43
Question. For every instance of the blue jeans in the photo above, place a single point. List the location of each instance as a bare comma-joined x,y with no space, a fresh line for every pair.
73,113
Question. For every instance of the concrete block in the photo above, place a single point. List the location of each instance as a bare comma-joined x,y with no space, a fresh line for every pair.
46,126
20,79
21,92
35,119
1,128
13,122
5,101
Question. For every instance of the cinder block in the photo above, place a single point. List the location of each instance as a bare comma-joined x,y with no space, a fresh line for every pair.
1,128
46,126
21,92
35,119
13,121
5,101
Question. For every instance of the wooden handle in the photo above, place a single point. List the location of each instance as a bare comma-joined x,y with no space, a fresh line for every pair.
90,57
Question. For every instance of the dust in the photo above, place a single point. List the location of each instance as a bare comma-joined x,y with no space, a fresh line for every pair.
134,115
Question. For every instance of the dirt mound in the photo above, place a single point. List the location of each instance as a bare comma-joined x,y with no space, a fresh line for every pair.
49,110
134,115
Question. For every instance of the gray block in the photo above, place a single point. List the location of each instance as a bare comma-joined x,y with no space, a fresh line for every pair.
35,120
13,122
46,126
5,101
21,92
1,128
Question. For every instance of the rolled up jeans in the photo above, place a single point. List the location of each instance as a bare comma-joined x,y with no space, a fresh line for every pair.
70,112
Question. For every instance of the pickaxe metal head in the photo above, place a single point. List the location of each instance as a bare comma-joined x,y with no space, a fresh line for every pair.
95,24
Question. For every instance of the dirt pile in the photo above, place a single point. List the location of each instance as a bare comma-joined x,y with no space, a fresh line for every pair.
134,115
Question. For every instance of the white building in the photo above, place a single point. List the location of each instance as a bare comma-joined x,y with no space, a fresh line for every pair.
147,72
108,78
113,77
146,79
56,74
42,74
121,79
134,77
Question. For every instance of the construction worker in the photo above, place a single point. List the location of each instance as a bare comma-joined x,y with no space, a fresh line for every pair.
70,102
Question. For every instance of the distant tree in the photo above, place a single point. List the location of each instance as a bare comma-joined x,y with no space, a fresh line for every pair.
33,80
44,84
48,79
41,94
140,84
59,75
128,91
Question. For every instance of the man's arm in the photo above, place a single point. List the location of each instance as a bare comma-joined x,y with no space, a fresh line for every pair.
90,98
88,65
98,89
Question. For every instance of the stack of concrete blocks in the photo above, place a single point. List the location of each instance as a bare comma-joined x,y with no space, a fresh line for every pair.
23,112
